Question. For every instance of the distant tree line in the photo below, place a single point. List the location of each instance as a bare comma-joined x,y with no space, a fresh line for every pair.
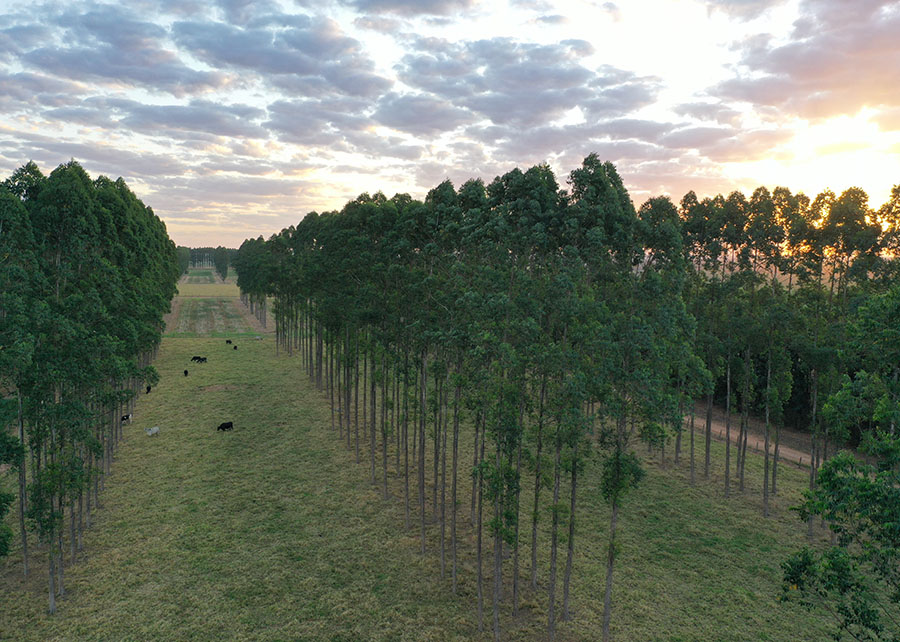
218,258
87,272
565,326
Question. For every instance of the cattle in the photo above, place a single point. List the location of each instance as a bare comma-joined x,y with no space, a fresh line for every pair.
126,418
152,431
235,347
185,373
228,341
201,360
196,358
148,390
228,425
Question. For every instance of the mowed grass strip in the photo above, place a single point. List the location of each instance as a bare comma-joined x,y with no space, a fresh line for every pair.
208,290
262,533
216,317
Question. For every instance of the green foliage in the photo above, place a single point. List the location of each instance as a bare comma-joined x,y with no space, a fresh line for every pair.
858,580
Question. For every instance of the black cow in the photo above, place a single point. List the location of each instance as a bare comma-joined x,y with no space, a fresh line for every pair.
196,358
148,390
201,360
185,373
228,341
126,418
228,425
235,347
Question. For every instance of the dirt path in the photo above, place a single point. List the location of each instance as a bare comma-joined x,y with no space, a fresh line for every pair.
755,440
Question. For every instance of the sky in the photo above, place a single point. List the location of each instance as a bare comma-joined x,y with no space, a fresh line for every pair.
234,118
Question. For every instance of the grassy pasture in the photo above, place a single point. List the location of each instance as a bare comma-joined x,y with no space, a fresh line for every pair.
212,317
200,276
219,290
271,532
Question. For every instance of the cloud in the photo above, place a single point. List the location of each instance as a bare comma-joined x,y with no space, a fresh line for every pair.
312,122
521,84
888,119
420,115
555,19
96,158
717,112
743,9
696,137
108,45
836,61
411,7
289,51
380,24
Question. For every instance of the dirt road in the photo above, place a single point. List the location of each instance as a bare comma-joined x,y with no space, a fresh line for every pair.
755,437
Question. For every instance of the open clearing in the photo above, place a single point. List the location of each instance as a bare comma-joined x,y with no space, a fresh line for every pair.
271,532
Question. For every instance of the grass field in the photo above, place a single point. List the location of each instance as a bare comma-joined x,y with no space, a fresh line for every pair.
220,290
200,276
212,317
271,532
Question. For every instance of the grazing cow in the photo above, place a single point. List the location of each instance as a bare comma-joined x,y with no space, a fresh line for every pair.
228,425
185,373
228,341
148,390
235,347
196,358
201,360
152,431
126,418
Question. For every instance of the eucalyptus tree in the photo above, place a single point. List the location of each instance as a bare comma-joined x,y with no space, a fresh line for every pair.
220,260
649,326
17,270
99,273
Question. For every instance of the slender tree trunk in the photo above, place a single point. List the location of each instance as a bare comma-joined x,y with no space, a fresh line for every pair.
775,460
728,427
374,421
693,412
52,569
422,415
678,430
554,538
709,408
766,438
610,558
356,399
384,434
537,483
571,553
22,486
480,538
356,394
443,482
516,545
812,454
365,420
406,434
498,550
456,398
438,389
475,460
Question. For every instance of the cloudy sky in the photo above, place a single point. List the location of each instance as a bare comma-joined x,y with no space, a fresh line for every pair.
234,118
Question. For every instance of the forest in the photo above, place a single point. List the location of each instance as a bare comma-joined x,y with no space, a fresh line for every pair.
569,327
87,272
487,356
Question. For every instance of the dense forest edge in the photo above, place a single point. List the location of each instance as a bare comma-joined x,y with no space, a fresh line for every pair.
565,321
566,327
